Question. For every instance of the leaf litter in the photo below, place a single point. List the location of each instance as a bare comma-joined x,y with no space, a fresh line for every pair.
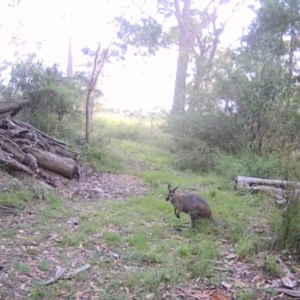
32,249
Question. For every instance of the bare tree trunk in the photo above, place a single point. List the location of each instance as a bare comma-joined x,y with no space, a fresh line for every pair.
180,82
97,69
87,116
70,56
188,34
92,107
184,22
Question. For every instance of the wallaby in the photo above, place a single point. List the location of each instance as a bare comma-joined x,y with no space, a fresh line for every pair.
190,204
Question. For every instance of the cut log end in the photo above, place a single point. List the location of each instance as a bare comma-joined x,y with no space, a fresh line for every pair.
30,161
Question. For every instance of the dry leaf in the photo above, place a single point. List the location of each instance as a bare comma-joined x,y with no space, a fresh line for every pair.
230,256
218,296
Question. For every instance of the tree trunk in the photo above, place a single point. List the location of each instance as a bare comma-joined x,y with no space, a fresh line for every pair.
60,165
70,56
185,41
92,107
87,116
180,82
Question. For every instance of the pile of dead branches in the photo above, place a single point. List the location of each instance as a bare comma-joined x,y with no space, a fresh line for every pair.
26,149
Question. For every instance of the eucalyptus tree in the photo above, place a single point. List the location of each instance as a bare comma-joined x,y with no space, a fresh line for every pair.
259,81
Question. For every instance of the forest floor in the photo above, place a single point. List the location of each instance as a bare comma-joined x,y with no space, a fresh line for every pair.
121,229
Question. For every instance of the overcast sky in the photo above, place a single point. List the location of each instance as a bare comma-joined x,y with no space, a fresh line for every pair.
137,82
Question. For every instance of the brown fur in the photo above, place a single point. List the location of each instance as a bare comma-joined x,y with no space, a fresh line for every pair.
191,204
31,161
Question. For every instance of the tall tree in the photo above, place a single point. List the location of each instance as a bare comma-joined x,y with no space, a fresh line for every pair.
100,58
70,54
194,28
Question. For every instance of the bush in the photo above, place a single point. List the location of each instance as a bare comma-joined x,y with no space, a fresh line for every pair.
216,130
250,164
113,125
289,229
102,159
202,158
53,96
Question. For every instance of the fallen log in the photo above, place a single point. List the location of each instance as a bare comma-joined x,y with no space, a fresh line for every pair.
60,165
14,164
277,193
14,107
282,191
27,149
242,182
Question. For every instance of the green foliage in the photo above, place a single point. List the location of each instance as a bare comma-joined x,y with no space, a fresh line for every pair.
274,267
249,164
289,229
200,158
52,95
101,158
249,294
253,103
131,127
200,263
244,247
144,33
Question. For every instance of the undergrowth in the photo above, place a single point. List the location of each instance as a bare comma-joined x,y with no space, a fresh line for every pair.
137,247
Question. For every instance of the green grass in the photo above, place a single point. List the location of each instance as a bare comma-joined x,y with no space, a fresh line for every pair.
138,246
274,267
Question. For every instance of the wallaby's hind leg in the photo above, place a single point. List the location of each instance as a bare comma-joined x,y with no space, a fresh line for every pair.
193,220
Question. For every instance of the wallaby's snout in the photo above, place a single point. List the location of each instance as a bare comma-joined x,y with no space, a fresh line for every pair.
191,204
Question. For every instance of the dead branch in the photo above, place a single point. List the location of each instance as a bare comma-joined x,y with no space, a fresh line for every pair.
45,155
289,292
61,273
15,107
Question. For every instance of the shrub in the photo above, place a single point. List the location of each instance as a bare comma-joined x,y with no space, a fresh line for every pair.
101,158
250,164
202,158
289,229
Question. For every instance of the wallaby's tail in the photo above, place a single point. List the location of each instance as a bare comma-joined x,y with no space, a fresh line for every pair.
217,223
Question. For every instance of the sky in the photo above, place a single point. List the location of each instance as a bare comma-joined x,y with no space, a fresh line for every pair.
135,83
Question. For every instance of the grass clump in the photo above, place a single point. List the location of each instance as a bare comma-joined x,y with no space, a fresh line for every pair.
17,196
289,228
102,159
250,164
244,247
273,267
139,241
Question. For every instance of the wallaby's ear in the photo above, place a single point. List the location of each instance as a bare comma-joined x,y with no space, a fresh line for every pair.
175,189
169,187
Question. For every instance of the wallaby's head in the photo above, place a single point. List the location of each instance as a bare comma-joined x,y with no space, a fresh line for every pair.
171,192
